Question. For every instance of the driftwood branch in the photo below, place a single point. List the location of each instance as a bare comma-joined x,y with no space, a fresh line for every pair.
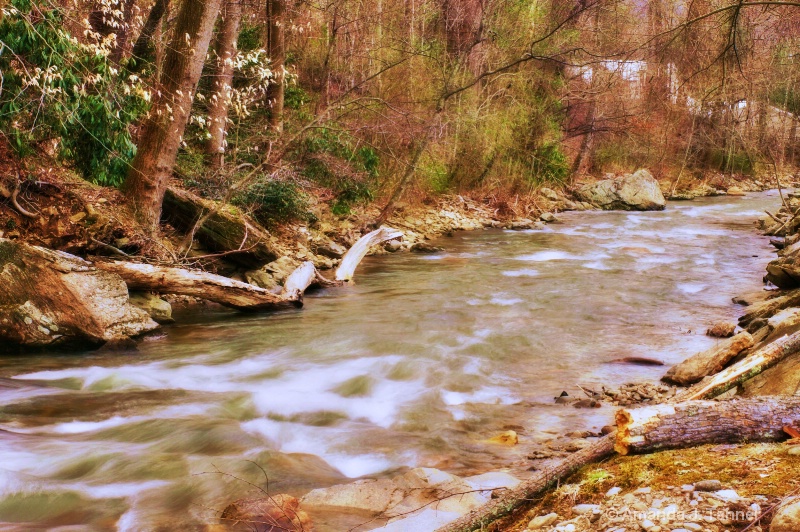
353,257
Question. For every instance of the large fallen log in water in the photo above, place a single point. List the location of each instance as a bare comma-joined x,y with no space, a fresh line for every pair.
204,285
674,426
236,294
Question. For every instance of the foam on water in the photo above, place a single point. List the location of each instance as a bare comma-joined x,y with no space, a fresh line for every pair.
691,288
527,272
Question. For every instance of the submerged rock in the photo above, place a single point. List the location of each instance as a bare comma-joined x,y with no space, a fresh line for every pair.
414,490
53,298
638,191
267,514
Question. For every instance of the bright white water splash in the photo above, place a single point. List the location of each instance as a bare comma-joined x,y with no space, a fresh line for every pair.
417,364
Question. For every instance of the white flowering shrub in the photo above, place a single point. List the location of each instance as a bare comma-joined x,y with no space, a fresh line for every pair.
52,86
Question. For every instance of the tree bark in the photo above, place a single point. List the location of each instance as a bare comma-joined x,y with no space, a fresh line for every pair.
276,49
223,80
225,230
142,46
162,131
673,426
510,500
748,368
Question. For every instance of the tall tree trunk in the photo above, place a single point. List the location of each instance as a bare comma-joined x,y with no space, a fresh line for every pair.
276,48
583,162
223,78
153,22
162,131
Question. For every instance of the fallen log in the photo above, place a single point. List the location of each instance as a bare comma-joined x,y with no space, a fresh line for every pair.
509,500
353,257
692,423
224,229
216,288
746,369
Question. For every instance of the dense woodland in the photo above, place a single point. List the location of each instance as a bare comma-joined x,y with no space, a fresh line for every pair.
350,100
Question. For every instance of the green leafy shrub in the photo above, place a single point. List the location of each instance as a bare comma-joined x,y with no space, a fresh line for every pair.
56,87
273,202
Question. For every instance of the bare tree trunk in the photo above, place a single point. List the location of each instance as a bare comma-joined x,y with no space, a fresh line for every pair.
153,22
276,48
583,162
163,129
223,79
668,426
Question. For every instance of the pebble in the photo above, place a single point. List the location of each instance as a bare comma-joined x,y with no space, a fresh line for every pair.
644,490
647,524
548,217
613,491
542,521
694,527
582,509
794,450
727,495
687,488
708,485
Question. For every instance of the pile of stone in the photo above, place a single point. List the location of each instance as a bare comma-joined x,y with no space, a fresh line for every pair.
706,506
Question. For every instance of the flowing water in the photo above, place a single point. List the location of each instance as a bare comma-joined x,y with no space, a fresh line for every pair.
418,363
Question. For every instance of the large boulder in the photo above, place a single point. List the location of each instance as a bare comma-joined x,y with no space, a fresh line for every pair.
787,516
632,192
52,298
784,272
709,362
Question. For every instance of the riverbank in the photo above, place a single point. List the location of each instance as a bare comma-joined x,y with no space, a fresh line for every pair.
430,349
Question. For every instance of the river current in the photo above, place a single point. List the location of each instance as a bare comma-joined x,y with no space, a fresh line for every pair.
419,362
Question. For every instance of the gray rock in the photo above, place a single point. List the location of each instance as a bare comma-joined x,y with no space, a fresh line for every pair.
637,191
548,217
281,268
582,509
157,308
549,193
424,247
261,279
331,249
523,223
392,245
